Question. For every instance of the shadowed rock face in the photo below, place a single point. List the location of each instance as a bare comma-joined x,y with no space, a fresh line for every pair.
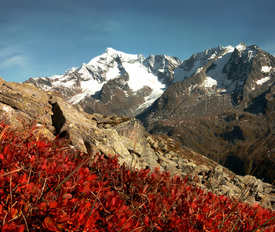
21,104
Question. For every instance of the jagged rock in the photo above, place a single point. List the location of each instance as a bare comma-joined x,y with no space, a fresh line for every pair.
68,121
167,160
21,104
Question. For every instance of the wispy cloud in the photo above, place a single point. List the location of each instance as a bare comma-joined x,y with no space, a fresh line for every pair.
11,56
14,61
6,50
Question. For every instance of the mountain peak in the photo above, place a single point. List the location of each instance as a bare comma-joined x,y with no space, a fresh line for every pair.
111,53
242,46
110,50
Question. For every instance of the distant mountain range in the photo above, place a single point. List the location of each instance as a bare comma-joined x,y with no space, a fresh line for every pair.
219,102
114,82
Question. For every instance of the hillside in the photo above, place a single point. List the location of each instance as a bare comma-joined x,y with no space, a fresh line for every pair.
47,186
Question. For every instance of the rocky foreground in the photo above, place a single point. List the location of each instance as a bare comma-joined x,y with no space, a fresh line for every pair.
24,104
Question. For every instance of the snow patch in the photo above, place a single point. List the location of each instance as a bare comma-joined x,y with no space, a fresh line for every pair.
110,54
199,70
266,69
55,77
213,56
191,88
140,77
209,82
217,76
241,47
70,70
150,99
180,73
78,98
85,74
112,73
125,57
67,84
251,54
229,48
91,86
263,80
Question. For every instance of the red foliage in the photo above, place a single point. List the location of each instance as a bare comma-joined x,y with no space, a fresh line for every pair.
48,187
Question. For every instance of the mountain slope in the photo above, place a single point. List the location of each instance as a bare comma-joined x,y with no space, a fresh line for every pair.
223,107
114,82
219,102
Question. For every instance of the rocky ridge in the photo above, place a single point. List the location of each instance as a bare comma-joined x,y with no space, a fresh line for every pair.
222,107
22,104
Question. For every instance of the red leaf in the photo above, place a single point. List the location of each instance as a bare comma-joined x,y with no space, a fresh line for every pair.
24,178
22,228
64,219
92,177
109,217
205,209
200,217
113,201
43,206
81,216
53,204
6,149
128,224
88,205
146,221
49,223
41,144
215,230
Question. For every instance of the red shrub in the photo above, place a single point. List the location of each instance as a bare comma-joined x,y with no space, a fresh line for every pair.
48,187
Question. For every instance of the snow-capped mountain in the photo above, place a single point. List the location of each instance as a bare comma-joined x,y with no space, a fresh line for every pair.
225,68
124,84
222,104
114,78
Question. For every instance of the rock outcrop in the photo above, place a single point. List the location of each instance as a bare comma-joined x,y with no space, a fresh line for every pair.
23,104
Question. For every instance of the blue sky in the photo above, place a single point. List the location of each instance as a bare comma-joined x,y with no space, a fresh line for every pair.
47,37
